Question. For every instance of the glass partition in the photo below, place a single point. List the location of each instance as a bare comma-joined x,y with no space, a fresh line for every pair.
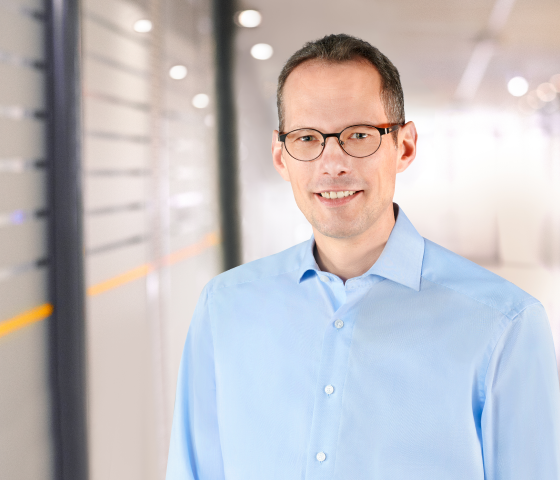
25,442
151,220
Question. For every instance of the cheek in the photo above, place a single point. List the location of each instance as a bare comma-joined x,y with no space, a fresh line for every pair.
381,177
300,177
301,193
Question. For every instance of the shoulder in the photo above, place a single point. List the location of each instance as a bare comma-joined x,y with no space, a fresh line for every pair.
451,271
281,263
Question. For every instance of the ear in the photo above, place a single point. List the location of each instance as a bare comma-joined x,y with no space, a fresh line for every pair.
407,146
277,157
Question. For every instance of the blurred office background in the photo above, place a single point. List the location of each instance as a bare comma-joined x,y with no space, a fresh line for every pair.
112,223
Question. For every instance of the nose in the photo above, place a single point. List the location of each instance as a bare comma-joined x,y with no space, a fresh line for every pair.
334,161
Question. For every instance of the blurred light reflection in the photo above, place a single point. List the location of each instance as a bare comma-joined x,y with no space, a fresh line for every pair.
518,86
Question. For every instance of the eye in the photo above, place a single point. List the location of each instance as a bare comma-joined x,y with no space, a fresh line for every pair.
359,136
306,138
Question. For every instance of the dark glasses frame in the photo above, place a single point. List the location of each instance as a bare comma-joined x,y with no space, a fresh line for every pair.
382,131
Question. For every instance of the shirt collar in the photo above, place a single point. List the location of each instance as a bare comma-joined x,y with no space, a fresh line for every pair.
400,261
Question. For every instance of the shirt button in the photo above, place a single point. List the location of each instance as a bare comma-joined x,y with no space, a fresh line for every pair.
324,278
329,389
339,323
321,456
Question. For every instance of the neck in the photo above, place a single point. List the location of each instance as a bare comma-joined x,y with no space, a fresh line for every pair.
351,257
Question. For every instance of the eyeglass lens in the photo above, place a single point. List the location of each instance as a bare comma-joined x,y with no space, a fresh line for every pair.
358,141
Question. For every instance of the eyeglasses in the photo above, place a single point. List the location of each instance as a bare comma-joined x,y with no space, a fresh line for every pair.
306,144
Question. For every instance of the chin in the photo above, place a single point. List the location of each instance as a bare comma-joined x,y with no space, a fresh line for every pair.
340,230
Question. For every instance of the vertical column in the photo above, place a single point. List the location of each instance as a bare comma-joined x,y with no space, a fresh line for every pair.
224,30
67,334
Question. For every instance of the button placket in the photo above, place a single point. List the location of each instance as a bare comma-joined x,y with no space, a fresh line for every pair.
328,400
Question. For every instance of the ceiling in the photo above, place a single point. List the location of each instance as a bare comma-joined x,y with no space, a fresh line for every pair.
430,42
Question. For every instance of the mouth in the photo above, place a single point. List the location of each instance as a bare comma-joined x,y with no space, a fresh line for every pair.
337,198
340,194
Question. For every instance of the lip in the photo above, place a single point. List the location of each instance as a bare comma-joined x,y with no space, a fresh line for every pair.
336,202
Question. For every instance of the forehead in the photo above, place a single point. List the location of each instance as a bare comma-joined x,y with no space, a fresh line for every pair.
332,95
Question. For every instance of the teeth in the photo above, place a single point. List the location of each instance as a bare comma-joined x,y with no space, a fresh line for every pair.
337,194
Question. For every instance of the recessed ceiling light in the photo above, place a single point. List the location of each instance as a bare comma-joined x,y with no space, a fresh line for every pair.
201,100
143,26
262,51
518,86
178,72
249,18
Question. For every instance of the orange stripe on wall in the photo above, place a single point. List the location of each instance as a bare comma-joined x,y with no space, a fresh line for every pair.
192,250
121,279
26,318
43,311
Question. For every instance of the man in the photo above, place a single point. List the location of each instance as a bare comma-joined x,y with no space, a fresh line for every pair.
366,352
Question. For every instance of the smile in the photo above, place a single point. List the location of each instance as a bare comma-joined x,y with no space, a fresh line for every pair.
337,199
337,194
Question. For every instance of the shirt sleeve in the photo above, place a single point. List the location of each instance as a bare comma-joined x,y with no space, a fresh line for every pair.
194,450
520,419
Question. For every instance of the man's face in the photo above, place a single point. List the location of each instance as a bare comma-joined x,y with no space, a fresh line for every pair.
330,97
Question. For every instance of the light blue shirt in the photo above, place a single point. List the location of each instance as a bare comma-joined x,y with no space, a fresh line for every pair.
426,367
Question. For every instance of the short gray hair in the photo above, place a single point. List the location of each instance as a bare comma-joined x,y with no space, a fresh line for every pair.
344,48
